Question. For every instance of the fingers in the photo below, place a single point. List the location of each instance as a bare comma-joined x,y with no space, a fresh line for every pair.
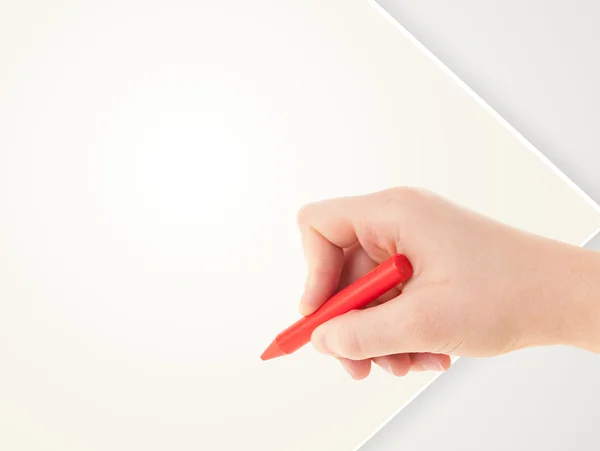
325,263
342,240
356,264
329,227
430,362
357,369
359,334
394,327
325,233
398,365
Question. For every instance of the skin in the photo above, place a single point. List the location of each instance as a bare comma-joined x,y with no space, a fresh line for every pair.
480,288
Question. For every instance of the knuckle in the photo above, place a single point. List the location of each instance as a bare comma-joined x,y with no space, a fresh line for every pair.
418,199
409,207
406,199
408,193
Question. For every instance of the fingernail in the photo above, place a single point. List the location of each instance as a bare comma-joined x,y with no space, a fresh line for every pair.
304,311
305,306
433,366
429,366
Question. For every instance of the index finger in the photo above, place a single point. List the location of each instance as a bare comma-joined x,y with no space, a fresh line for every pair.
327,228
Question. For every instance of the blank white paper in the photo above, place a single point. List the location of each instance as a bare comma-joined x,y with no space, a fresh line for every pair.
153,156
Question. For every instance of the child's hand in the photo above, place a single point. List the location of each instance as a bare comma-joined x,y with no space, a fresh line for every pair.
480,288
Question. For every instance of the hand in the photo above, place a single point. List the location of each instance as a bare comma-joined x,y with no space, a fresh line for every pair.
480,288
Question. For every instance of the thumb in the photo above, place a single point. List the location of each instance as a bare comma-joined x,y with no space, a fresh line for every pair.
390,328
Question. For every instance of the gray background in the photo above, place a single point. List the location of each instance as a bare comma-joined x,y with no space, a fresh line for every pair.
537,63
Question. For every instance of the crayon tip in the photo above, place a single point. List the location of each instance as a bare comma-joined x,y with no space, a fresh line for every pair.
272,351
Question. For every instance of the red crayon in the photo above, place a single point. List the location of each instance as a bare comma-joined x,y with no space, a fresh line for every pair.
390,273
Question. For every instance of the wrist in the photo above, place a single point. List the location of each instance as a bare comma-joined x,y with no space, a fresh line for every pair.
579,308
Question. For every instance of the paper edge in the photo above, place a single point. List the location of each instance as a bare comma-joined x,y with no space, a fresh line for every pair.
512,130
433,379
483,104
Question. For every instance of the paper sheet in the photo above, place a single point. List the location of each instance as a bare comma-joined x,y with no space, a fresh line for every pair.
152,159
